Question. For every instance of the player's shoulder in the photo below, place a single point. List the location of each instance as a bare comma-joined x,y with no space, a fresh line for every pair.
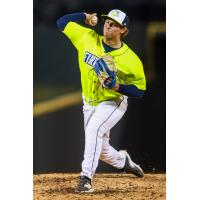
131,54
129,49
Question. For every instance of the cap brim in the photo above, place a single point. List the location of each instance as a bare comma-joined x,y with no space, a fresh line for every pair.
107,17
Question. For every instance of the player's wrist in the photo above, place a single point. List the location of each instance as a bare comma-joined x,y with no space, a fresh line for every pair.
85,15
86,18
116,87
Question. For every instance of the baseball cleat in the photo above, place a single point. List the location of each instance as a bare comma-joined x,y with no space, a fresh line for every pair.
132,167
84,185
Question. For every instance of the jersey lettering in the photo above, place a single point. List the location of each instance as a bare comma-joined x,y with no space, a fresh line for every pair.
90,59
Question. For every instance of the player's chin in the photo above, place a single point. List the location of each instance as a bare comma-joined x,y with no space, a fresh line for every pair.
108,35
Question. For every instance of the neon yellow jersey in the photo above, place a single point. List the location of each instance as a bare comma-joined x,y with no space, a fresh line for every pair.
90,48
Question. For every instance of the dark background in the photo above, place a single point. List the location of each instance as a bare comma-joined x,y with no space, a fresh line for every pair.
58,136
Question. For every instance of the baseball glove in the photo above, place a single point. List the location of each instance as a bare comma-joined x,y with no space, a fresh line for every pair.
106,71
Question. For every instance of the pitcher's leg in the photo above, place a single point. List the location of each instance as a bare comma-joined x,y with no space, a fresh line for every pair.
88,111
106,115
119,159
110,155
93,146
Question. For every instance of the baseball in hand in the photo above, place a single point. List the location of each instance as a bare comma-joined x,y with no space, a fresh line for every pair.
94,20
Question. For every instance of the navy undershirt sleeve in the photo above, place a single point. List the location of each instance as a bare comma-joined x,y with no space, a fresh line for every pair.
130,91
75,17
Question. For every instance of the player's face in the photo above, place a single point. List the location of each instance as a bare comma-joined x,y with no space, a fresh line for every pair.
111,29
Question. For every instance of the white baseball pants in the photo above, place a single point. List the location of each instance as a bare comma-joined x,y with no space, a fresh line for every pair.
98,121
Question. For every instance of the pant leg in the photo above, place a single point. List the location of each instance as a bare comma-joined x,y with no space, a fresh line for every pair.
105,116
110,155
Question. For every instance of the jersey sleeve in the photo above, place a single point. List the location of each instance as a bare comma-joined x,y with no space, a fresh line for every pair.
137,76
77,34
133,73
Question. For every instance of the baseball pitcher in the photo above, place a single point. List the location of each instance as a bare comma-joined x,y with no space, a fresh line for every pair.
110,73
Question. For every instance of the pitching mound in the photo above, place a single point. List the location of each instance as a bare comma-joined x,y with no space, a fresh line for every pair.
106,186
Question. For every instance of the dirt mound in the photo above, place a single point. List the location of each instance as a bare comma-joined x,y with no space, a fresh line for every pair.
106,186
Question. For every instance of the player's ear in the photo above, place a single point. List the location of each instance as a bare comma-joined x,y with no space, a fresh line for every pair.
123,30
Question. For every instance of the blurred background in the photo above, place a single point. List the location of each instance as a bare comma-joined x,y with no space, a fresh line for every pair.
58,133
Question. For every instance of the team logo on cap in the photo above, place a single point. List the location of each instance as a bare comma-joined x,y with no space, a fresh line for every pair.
115,13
